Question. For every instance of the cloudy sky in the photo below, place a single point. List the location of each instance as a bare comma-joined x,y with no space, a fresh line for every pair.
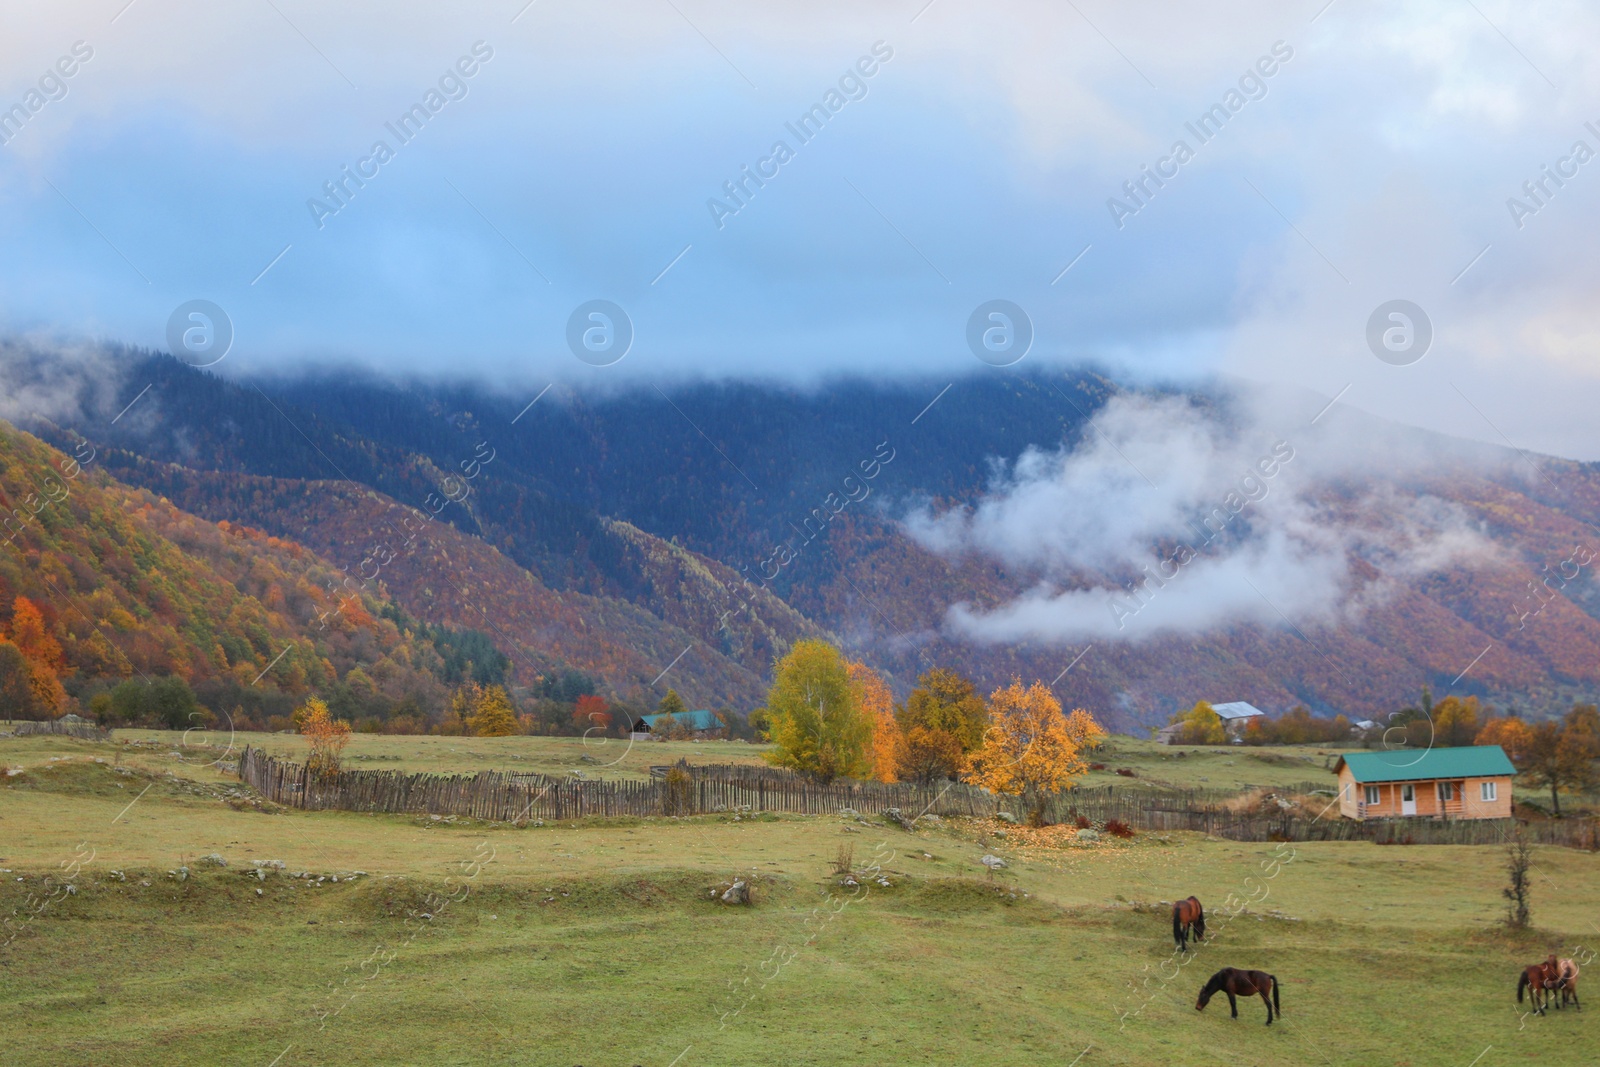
1366,154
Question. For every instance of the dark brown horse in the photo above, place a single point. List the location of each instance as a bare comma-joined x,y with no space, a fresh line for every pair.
1234,982
1561,976
1536,979
1188,915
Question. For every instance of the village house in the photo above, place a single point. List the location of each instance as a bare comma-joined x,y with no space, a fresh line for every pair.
1440,783
1235,716
700,724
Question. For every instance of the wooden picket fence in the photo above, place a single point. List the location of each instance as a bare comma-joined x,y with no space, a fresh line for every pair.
86,731
507,796
503,796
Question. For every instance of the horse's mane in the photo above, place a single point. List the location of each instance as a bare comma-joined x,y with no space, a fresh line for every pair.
1214,983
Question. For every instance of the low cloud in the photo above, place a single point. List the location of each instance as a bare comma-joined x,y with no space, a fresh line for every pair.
58,382
1171,515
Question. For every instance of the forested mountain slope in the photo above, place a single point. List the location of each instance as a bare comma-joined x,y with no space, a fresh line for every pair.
624,506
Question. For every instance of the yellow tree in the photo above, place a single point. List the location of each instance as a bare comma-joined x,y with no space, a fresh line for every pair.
944,700
1455,721
463,706
327,737
1028,749
1086,733
494,716
874,700
815,724
1201,726
942,720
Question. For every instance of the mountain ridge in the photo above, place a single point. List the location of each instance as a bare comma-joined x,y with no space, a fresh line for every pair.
635,497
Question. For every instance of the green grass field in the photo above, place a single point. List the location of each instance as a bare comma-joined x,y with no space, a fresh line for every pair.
597,757
1153,764
600,943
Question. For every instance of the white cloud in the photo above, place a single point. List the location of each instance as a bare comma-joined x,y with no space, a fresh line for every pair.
190,144
1172,516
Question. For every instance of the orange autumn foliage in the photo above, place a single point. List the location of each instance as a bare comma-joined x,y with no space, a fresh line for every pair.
591,712
1030,749
1512,735
1086,733
876,702
38,646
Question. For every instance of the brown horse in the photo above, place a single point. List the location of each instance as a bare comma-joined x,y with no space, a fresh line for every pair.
1562,976
1188,915
1232,981
1535,979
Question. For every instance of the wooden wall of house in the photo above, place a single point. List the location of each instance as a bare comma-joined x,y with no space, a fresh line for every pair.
1468,805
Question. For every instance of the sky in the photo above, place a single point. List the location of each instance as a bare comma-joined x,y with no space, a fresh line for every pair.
1358,154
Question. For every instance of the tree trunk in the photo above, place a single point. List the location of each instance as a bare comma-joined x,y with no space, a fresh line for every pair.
1036,801
1555,799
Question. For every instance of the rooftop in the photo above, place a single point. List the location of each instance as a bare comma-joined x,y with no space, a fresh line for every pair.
1237,709
689,720
1408,765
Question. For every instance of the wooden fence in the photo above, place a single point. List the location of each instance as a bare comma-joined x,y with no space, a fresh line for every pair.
86,731
503,796
507,796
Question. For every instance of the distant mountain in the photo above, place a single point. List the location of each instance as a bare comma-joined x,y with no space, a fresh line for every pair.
617,530
441,574
134,588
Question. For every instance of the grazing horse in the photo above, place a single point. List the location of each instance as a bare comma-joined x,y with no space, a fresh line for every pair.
1188,915
1535,979
1562,976
1232,981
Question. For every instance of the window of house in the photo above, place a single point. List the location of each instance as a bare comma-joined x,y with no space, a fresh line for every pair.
1488,790
1372,794
1446,791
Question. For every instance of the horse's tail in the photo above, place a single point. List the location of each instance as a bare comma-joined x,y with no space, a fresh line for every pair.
1275,1003
1522,983
1177,922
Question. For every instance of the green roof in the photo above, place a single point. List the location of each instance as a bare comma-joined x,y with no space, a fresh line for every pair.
1406,765
689,720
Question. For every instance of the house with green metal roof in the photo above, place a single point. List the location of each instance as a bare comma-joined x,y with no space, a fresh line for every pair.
698,723
1470,782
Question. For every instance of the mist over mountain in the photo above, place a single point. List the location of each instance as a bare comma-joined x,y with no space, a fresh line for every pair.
1165,546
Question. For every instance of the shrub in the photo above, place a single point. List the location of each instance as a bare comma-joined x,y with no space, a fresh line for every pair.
1118,828
327,736
677,798
1082,822
1519,861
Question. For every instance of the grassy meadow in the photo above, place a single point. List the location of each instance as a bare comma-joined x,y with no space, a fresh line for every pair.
600,943
1154,765
595,757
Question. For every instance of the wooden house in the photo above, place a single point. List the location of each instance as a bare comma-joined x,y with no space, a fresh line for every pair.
1473,782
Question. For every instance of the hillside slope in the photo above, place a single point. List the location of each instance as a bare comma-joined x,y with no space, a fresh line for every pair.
133,587
685,507
443,575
